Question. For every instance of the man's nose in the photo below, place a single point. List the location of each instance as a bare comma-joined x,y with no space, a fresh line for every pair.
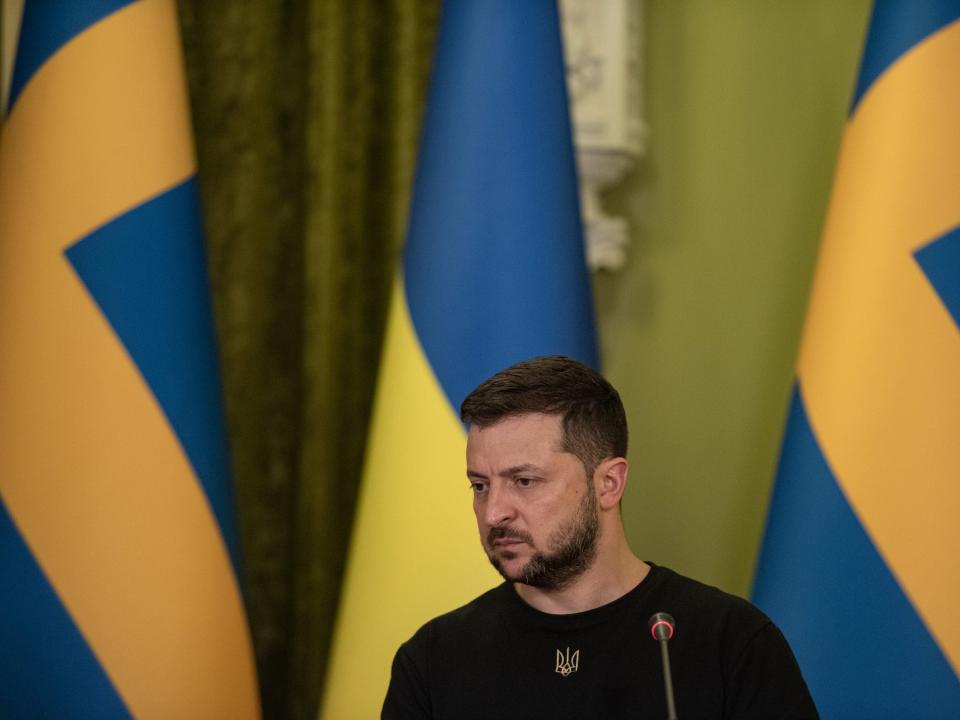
499,508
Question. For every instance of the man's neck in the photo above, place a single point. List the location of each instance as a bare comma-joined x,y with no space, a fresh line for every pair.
600,584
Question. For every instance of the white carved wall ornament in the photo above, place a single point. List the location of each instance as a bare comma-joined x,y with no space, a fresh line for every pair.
602,44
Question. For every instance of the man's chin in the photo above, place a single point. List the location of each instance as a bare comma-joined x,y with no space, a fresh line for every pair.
508,564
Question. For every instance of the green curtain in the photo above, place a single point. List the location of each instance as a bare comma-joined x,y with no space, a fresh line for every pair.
307,116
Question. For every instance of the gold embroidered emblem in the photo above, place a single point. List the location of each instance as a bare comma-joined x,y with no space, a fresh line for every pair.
567,663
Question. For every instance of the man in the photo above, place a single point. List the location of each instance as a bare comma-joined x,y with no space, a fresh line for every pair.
566,636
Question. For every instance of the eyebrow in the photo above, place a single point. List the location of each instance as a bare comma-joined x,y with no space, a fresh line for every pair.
515,470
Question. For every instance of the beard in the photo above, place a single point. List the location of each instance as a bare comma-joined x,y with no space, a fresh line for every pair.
572,550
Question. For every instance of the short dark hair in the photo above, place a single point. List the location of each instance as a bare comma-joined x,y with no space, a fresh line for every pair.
593,420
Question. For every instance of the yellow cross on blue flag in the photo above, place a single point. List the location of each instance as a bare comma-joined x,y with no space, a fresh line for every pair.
118,547
861,561
493,273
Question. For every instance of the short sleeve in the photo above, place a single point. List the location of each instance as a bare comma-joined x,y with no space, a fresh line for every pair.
765,682
407,696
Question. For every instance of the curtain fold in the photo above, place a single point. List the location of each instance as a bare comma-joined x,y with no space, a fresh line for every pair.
307,116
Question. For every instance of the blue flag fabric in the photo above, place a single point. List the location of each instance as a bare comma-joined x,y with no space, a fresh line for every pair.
494,264
859,565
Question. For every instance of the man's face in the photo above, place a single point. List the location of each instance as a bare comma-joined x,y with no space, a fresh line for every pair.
536,512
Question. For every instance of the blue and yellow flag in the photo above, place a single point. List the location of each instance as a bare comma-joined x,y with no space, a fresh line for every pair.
118,554
493,273
861,561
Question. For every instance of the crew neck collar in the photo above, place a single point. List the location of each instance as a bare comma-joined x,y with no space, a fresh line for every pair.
585,618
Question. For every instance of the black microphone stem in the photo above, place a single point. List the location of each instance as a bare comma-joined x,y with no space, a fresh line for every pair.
667,680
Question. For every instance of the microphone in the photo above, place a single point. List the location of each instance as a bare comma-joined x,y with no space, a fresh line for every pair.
661,626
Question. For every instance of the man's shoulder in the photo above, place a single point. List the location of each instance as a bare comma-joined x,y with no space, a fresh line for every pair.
707,605
477,616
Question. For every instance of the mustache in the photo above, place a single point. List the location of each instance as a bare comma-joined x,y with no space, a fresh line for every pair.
507,533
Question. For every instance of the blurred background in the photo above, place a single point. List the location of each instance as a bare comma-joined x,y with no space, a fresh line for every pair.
307,116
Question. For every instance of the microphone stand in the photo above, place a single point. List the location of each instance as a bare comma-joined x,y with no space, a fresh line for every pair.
667,680
661,626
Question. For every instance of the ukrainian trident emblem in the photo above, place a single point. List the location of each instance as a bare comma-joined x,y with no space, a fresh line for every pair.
567,663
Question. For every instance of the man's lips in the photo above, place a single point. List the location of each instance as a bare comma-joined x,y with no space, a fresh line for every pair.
503,538
507,542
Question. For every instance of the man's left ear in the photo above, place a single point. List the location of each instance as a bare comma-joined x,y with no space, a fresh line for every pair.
610,478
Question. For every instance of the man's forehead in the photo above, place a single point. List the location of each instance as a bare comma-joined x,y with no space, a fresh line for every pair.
520,429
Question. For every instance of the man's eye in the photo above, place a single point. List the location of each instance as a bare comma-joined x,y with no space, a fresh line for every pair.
524,481
478,487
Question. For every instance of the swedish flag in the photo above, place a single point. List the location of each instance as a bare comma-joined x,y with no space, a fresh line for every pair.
493,273
860,564
118,556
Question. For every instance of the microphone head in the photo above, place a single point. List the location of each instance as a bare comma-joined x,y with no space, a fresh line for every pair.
661,626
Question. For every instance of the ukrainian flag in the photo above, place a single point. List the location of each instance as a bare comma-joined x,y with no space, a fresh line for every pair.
118,551
861,562
493,273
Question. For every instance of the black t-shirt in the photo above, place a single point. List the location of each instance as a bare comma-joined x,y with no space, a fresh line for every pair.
497,658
